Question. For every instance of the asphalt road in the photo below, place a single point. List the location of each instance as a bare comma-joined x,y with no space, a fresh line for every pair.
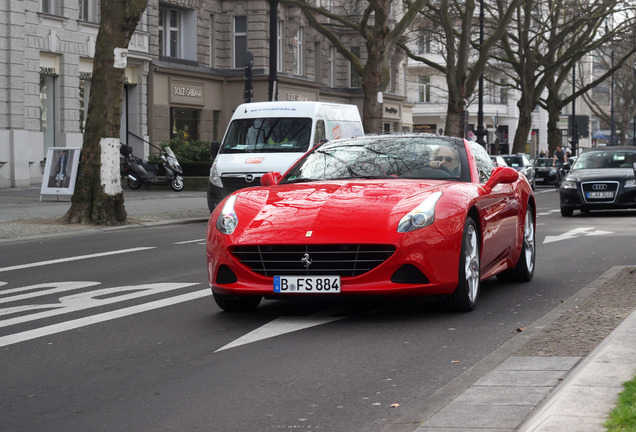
118,331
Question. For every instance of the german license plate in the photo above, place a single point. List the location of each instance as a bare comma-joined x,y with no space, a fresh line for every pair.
306,284
600,195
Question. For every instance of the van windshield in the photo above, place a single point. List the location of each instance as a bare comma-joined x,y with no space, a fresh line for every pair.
267,135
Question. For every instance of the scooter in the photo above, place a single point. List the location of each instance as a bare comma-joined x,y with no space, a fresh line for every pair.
137,172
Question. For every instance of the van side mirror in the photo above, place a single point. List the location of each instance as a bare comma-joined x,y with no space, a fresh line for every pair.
271,178
214,149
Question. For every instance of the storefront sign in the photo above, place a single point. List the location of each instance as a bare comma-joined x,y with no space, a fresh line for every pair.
296,97
391,111
183,92
425,128
50,71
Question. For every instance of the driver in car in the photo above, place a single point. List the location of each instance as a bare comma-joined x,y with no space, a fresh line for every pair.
446,157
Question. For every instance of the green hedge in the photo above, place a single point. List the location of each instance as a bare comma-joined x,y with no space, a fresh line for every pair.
189,151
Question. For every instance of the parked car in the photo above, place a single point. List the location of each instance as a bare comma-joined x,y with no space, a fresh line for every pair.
544,172
498,160
601,178
521,163
394,215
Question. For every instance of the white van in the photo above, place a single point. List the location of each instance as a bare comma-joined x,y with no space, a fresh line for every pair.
271,136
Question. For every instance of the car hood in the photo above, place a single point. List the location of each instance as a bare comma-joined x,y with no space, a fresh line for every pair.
328,211
602,174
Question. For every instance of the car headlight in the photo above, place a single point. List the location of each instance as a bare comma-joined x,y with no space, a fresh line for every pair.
630,184
227,220
568,184
421,216
214,176
552,171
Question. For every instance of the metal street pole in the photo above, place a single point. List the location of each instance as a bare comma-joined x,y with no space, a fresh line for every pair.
575,138
273,46
481,132
613,123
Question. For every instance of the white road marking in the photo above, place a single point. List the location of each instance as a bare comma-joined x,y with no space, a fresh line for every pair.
577,232
69,259
191,241
86,300
285,325
94,319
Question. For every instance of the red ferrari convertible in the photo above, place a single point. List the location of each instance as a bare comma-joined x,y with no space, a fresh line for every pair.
399,215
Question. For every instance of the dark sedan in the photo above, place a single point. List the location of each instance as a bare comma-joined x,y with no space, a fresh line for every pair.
602,178
544,172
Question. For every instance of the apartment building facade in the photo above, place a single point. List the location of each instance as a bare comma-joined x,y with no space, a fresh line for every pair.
186,67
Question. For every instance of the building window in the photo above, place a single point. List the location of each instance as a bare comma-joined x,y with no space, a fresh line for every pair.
89,10
240,42
169,41
424,88
423,42
332,66
503,92
212,42
354,78
177,33
297,45
51,7
47,110
279,46
216,118
184,123
85,91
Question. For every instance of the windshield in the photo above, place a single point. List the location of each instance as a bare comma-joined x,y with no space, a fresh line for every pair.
605,159
384,157
543,162
267,135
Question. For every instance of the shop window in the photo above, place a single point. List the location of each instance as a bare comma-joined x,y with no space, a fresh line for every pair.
240,42
185,123
47,110
89,10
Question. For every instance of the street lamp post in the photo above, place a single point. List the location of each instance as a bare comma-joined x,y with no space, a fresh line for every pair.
575,138
481,132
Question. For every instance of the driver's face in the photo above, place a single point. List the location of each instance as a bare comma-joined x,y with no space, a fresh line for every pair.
448,157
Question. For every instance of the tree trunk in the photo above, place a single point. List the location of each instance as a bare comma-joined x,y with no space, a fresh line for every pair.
524,124
98,197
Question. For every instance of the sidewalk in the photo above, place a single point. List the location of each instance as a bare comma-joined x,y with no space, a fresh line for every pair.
511,391
23,214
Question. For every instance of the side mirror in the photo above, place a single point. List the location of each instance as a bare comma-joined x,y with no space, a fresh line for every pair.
501,175
214,149
566,167
271,178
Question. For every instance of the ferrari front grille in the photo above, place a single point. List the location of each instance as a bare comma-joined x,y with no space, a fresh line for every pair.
313,260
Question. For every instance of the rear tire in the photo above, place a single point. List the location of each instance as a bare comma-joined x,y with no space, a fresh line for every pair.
524,269
235,303
465,297
134,184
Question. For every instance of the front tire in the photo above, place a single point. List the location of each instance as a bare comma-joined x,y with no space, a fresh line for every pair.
524,269
465,297
567,212
235,303
177,183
